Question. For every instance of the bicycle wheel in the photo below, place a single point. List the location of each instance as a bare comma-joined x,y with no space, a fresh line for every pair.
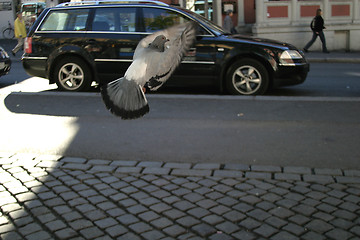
8,33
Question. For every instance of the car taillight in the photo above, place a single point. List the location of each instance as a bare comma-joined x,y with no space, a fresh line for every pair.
28,45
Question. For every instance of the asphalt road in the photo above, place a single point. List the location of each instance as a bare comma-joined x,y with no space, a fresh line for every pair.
301,130
262,130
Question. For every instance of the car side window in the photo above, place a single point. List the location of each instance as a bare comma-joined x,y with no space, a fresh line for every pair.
67,20
156,19
104,20
127,19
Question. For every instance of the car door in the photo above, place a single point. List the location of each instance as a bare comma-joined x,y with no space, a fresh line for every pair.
198,65
112,39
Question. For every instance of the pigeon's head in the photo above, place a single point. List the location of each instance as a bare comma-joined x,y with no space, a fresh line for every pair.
159,43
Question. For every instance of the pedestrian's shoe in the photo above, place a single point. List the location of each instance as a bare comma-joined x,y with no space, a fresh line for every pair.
305,50
13,53
326,51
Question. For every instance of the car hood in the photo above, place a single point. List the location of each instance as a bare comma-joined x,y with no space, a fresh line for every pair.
261,41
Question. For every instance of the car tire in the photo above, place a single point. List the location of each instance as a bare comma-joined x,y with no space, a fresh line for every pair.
247,77
72,74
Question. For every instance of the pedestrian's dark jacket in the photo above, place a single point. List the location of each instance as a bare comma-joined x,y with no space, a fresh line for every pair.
319,24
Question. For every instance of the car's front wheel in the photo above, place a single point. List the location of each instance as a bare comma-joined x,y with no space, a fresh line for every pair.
72,74
247,77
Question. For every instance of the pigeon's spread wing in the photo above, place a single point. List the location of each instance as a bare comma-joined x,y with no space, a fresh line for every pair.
160,65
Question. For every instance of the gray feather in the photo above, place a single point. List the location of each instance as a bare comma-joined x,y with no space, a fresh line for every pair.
125,98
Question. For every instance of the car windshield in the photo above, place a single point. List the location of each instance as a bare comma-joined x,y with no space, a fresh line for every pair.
209,24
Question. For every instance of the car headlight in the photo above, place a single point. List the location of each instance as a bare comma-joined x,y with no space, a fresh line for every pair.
287,57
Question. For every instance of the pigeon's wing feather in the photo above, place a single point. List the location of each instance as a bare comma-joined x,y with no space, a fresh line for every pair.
160,65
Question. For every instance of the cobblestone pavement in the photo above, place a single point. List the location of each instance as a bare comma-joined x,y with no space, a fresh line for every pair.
55,197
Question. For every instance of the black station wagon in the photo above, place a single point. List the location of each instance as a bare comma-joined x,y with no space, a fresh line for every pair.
75,44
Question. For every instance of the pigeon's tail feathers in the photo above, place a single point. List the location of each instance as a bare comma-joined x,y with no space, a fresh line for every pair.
125,99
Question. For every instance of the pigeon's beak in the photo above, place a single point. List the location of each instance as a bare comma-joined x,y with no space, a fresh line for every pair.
167,40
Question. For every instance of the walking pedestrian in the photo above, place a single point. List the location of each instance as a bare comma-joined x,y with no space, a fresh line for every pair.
317,26
20,32
228,23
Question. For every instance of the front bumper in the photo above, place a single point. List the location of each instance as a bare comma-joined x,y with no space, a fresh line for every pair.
291,75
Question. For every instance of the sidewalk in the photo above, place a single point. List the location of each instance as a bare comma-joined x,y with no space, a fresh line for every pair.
312,56
55,197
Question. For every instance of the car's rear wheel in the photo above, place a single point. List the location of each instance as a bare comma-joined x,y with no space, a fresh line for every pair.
73,74
247,77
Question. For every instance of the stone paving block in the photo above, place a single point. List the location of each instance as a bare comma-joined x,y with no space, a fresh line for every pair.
265,230
342,223
298,170
287,176
228,227
124,163
203,229
7,228
328,171
140,227
91,232
78,166
208,166
228,173
188,221
150,164
154,234
103,168
236,166
258,175
281,212
294,229
55,225
149,216
340,179
178,165
11,235
73,160
161,223
106,205
23,197
49,164
352,173
106,223
220,209
128,170
129,236
338,234
136,209
174,230
116,230
319,226
95,215
29,229
191,172
156,170
318,178
250,223
304,210
264,168
213,219
41,235
284,235
258,214
198,212
127,219
174,214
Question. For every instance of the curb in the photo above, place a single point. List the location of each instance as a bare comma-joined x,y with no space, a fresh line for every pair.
228,170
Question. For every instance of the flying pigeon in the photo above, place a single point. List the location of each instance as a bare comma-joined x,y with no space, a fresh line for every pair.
155,59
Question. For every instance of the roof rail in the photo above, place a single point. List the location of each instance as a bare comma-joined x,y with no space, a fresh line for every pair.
96,2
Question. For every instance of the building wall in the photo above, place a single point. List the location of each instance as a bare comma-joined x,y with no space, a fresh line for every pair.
290,21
